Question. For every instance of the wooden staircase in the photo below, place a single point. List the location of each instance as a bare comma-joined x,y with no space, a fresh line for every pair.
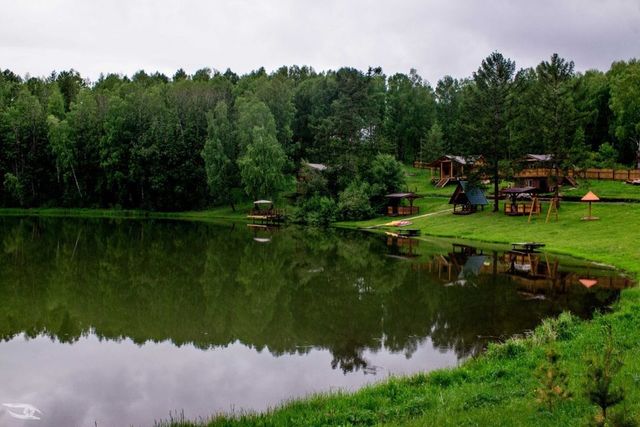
441,183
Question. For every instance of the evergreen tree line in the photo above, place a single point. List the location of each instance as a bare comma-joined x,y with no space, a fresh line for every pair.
191,141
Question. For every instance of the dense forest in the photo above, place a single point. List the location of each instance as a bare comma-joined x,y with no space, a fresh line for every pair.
185,142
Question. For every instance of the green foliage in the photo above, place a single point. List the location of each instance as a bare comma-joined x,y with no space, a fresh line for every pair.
219,156
317,211
353,202
553,381
261,166
601,370
137,142
385,175
607,156
14,188
490,106
432,145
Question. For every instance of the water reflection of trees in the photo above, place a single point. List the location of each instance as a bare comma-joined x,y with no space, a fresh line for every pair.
213,285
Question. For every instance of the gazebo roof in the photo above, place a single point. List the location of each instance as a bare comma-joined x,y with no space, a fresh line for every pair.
520,190
590,197
263,202
474,195
409,195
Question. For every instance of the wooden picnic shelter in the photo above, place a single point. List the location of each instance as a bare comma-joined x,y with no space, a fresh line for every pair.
466,199
395,204
521,201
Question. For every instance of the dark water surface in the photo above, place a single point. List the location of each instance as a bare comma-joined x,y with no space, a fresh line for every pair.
118,322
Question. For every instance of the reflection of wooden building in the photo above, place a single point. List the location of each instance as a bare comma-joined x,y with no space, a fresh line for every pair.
466,199
538,171
402,246
396,207
454,168
532,272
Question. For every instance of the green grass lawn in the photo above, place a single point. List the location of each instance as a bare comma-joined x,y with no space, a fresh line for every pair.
606,190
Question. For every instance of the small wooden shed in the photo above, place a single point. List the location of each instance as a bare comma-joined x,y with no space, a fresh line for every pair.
466,199
395,206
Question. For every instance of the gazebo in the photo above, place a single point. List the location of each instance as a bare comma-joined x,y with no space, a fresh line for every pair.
590,197
395,207
465,199
525,207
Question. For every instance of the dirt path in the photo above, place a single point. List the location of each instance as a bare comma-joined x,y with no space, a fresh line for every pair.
411,218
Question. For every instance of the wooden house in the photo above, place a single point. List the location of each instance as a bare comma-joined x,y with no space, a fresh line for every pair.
538,171
453,168
465,199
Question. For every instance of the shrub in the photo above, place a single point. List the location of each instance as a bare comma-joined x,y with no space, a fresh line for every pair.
385,175
353,202
317,210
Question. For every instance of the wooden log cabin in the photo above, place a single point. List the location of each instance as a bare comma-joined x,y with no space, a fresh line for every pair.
538,171
453,168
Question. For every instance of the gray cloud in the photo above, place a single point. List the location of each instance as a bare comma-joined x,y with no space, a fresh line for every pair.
435,37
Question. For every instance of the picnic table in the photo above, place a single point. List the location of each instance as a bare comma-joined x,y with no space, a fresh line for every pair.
527,246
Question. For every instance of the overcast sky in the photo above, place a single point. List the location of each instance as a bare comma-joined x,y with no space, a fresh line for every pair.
436,37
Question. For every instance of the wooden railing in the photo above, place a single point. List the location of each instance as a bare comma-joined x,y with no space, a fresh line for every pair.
534,173
610,174
402,210
592,173
522,208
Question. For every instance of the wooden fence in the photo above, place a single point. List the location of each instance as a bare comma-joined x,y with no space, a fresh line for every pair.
610,174
591,173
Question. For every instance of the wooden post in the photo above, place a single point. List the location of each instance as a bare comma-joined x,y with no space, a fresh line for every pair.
533,207
554,207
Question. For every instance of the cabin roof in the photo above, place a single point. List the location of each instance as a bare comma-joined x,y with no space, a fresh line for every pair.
463,160
473,195
317,166
538,158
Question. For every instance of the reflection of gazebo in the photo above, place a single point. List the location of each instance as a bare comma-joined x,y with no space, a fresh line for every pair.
526,206
394,205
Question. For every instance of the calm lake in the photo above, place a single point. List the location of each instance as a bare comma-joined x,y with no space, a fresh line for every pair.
119,322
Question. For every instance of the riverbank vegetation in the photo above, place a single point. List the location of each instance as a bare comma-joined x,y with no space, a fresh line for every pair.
190,142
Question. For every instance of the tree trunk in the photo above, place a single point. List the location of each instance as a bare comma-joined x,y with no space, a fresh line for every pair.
75,179
496,182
